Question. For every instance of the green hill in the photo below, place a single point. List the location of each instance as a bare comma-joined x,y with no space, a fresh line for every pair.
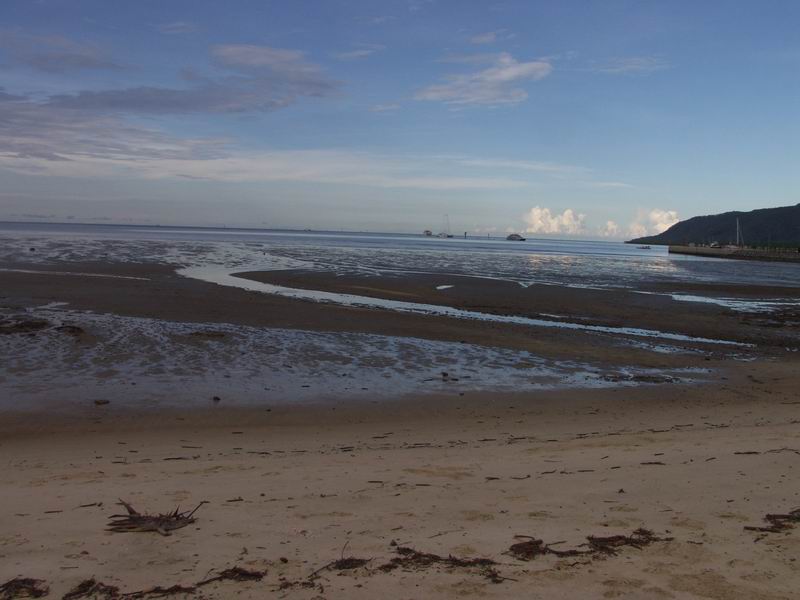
762,227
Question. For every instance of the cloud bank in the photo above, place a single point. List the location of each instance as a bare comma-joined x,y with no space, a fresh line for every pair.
259,79
653,222
542,220
634,65
52,54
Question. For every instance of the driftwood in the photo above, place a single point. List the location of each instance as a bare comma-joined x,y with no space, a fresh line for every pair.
163,523
23,587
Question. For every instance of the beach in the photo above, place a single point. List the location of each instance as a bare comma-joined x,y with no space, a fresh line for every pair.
625,437
291,490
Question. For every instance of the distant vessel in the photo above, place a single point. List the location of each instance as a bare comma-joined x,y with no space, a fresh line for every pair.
446,233
644,247
427,233
515,237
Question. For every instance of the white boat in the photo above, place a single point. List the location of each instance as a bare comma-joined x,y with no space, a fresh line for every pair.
446,233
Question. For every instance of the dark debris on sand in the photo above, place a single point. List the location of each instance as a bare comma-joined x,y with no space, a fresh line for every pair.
163,523
91,588
594,546
96,590
23,326
23,587
161,592
778,522
411,559
72,330
347,564
611,544
533,547
234,574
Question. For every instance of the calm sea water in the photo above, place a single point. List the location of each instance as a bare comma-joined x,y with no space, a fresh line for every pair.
559,262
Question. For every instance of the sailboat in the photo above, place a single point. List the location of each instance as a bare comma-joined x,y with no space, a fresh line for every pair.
446,233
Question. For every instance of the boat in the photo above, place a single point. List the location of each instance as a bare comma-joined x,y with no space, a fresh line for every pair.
644,247
427,233
515,237
446,233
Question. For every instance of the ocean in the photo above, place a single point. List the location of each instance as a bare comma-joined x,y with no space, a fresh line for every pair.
571,263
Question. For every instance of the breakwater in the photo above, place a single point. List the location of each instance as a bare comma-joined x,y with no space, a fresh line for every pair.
775,254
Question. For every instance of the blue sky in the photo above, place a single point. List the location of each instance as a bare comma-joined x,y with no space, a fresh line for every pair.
572,118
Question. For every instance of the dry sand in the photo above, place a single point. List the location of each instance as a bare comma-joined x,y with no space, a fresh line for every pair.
291,490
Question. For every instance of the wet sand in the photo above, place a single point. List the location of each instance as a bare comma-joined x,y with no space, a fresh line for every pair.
291,489
616,308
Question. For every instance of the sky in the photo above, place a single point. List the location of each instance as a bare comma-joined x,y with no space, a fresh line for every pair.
570,118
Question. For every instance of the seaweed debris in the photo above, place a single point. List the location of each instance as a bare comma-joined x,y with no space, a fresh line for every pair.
594,545
23,587
778,522
234,574
611,544
91,588
161,523
414,560
534,547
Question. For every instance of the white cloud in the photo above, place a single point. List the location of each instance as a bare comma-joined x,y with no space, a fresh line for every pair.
609,184
522,165
610,230
178,27
637,229
362,51
482,58
377,20
653,222
641,65
354,54
495,85
484,38
384,107
490,37
661,220
542,220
